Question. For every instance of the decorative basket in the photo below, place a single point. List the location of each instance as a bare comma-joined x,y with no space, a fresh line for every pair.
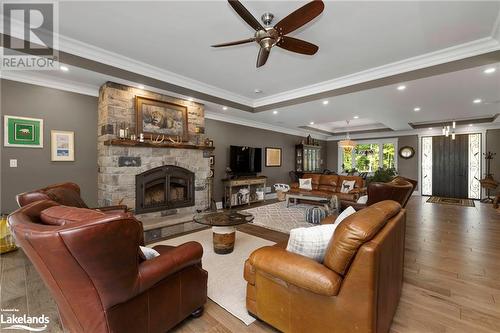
7,243
314,215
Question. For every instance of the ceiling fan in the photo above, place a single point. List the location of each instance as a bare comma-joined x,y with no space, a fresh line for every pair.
267,36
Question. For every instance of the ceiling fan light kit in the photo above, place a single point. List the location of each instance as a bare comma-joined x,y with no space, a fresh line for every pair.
267,37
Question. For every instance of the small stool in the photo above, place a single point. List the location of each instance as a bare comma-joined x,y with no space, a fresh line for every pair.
314,215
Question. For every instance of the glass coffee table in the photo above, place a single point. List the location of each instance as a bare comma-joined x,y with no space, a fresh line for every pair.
223,227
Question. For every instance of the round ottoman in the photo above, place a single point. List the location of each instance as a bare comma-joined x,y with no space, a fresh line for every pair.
314,215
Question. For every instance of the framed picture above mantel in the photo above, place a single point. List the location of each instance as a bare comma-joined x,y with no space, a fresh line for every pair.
159,118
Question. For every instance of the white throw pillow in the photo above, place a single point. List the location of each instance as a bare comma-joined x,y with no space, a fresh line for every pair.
149,253
305,183
348,211
347,185
362,199
311,242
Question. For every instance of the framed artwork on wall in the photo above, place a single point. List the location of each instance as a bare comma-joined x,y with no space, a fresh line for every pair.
273,157
161,118
62,146
23,132
212,160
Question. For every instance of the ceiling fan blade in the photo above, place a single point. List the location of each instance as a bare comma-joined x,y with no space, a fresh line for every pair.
300,17
245,15
297,45
243,41
263,55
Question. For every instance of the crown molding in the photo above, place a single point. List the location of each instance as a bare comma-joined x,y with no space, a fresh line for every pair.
259,125
60,84
457,52
100,55
420,132
495,32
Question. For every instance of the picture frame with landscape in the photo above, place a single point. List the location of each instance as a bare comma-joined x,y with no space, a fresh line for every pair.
62,146
158,118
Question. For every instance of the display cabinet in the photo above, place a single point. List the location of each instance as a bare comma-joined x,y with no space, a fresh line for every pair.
308,158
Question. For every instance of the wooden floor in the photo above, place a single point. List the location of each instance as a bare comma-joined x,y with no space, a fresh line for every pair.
452,276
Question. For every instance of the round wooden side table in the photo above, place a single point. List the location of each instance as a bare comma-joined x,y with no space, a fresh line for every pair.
223,227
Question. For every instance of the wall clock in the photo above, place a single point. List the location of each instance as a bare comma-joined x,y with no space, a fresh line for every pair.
406,152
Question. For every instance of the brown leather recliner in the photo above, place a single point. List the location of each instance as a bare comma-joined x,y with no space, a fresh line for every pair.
91,264
398,189
328,185
67,194
356,289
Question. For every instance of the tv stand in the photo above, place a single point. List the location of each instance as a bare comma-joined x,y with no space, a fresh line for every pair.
244,190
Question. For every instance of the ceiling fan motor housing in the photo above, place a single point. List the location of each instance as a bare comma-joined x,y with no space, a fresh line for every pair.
267,38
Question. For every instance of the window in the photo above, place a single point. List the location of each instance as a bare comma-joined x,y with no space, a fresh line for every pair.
368,156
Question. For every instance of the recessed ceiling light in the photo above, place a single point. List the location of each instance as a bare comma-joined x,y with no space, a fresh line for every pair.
275,112
257,91
477,101
141,86
430,128
190,99
224,108
311,123
325,102
356,117
401,87
416,109
470,125
64,68
490,70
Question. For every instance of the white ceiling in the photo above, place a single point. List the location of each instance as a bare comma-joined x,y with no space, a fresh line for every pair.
353,36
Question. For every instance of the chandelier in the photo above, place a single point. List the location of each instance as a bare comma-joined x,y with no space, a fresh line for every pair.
347,144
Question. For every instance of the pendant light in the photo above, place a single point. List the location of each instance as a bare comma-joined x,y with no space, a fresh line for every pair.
347,144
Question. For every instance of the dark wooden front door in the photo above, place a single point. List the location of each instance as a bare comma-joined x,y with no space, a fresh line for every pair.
450,166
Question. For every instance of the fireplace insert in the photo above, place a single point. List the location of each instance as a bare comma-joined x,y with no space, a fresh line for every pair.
163,188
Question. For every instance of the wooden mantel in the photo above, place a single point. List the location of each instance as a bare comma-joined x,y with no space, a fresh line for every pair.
132,143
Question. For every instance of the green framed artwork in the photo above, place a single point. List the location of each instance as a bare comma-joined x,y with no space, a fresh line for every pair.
23,132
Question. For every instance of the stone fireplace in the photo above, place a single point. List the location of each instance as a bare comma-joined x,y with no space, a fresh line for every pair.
163,188
174,180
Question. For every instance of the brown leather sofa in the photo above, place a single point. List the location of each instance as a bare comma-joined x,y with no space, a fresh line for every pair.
67,194
328,185
91,263
398,189
356,289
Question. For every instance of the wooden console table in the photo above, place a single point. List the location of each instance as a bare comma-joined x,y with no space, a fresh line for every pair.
254,190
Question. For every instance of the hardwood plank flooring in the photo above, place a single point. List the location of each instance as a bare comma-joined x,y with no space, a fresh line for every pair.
451,276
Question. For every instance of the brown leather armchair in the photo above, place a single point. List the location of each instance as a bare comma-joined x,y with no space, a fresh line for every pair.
356,288
91,264
67,194
398,189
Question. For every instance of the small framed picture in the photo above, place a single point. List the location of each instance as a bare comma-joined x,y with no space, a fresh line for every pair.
211,173
210,143
212,160
273,157
23,132
62,146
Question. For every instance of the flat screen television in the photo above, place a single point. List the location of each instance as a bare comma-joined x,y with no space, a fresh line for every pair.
245,160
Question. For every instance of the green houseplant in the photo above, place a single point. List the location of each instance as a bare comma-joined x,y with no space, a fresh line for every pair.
382,175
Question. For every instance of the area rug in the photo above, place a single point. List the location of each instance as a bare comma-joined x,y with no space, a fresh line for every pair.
226,285
451,201
278,217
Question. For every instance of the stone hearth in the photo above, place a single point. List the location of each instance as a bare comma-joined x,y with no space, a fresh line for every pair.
119,165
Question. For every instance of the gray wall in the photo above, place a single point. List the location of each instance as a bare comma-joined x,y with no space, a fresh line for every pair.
60,110
493,145
226,134
408,168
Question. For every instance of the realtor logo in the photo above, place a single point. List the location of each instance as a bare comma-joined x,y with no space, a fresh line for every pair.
11,320
29,40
